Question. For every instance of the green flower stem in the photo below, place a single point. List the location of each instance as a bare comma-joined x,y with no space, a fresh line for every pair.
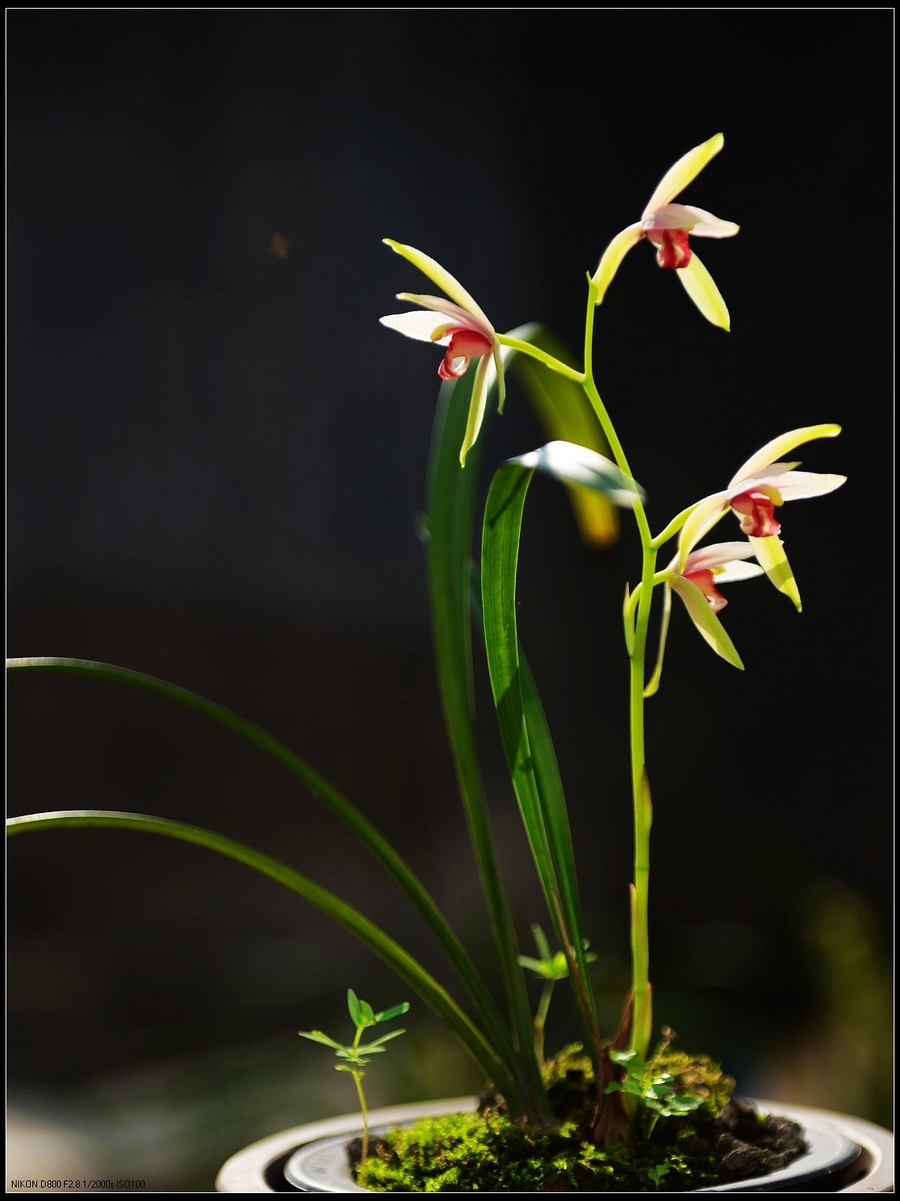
673,527
642,1013
542,356
540,1021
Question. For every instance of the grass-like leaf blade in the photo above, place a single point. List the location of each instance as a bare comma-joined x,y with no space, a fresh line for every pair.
523,726
347,812
451,501
400,961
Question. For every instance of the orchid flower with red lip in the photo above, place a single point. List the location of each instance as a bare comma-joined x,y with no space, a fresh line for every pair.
697,585
755,491
457,323
668,226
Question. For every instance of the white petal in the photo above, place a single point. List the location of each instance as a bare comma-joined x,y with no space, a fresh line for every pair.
779,446
775,470
795,485
685,216
706,225
688,167
419,325
580,465
734,571
439,304
438,275
716,555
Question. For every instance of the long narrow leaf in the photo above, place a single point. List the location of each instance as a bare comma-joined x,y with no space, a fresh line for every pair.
526,739
549,786
400,961
451,499
319,787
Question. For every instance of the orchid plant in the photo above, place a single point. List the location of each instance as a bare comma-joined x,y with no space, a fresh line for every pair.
585,453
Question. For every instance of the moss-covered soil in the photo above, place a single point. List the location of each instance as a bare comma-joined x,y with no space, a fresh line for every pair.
721,1141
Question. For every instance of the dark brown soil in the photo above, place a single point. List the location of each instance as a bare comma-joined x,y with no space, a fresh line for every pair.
741,1142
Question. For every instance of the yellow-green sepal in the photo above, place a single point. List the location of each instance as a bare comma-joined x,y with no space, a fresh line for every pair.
703,617
612,258
438,275
476,406
699,522
782,445
652,686
774,562
680,174
628,619
701,287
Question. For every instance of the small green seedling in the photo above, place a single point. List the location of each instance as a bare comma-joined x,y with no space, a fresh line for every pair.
652,1089
355,1056
656,1174
548,968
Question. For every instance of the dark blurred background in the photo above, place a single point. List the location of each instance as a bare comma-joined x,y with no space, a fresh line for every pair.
216,461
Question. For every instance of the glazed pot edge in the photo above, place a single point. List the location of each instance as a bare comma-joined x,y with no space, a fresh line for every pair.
245,1171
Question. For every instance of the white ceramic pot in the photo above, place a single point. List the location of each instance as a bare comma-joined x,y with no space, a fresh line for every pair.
847,1155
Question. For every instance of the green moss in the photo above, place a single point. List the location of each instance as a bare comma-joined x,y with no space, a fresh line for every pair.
484,1153
675,1148
569,1080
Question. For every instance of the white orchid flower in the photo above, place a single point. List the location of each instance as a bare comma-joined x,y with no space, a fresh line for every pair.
753,494
668,226
457,323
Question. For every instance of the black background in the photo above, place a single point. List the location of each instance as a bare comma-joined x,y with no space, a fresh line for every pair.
216,458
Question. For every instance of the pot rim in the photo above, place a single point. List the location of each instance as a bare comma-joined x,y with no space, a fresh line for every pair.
246,1170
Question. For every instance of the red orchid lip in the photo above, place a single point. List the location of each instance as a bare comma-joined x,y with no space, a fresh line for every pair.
673,248
703,580
757,512
465,344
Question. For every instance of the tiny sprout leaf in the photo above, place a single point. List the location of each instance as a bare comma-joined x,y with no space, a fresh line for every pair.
656,1173
376,1045
394,1012
353,1006
317,1036
540,941
367,1014
622,1056
533,965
